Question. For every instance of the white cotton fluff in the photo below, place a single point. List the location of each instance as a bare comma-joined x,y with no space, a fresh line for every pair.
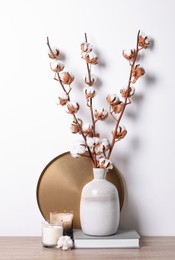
71,104
114,97
147,40
132,91
86,126
105,142
121,129
56,63
104,145
92,141
91,55
127,52
102,111
87,47
63,95
106,163
65,243
77,149
86,78
142,34
54,49
62,74
89,90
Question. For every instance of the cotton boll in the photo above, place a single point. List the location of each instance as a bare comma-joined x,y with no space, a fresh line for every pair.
87,127
72,107
54,53
127,52
90,57
105,143
132,91
121,132
143,40
65,243
86,79
89,92
62,99
112,99
77,149
105,164
66,77
56,66
86,47
100,114
93,141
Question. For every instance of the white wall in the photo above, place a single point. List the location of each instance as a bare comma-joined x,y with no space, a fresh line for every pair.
34,129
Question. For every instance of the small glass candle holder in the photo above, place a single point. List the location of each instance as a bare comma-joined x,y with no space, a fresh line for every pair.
51,233
66,217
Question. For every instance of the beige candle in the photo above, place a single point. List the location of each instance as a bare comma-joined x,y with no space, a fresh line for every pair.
66,218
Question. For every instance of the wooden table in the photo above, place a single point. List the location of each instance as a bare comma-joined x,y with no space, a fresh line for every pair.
22,248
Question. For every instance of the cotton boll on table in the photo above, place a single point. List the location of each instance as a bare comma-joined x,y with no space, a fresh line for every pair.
65,243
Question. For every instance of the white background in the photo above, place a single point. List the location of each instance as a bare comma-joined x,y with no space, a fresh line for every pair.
34,129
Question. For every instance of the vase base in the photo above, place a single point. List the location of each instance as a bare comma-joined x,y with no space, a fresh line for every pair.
99,235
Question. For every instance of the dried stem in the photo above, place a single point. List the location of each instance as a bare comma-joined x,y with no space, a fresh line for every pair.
48,44
62,85
125,101
90,83
111,113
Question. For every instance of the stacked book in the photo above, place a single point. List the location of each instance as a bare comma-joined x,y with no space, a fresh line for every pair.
122,239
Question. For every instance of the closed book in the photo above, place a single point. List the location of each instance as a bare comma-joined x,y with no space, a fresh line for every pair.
122,239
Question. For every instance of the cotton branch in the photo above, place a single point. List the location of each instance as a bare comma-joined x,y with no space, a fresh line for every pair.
90,104
126,98
75,119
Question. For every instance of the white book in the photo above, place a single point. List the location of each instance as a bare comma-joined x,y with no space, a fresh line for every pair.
122,239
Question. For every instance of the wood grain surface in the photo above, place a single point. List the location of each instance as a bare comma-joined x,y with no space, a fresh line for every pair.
22,248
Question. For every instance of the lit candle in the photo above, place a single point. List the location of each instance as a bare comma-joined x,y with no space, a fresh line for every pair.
66,218
51,233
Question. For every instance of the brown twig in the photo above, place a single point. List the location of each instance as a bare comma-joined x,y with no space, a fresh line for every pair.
111,113
62,85
90,83
48,44
88,68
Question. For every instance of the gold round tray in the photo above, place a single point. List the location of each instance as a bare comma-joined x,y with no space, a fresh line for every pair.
60,184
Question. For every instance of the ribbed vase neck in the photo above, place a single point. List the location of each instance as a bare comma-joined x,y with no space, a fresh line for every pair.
99,173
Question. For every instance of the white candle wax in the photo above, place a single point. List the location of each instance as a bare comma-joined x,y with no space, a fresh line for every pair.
51,234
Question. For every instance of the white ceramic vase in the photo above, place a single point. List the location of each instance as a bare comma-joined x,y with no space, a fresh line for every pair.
99,206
